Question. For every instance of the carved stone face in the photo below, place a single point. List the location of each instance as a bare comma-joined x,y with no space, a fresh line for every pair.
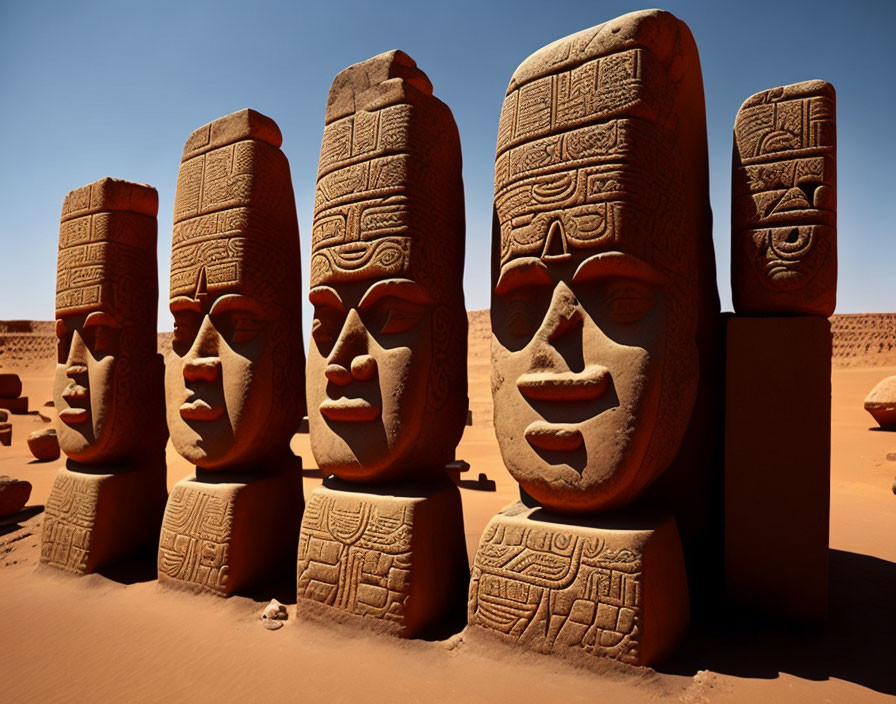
220,386
95,412
784,204
580,357
368,375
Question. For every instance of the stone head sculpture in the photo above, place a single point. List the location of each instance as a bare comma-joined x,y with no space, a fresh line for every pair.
106,302
234,381
386,382
784,202
602,261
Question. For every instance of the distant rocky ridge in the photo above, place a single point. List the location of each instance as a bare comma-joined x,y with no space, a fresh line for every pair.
860,340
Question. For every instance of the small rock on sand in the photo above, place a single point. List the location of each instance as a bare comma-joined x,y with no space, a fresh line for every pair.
881,403
274,615
44,444
14,494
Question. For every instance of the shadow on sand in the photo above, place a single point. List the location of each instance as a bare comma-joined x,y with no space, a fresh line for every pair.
856,645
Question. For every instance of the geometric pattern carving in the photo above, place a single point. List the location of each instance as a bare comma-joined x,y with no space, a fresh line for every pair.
565,586
783,201
195,538
69,518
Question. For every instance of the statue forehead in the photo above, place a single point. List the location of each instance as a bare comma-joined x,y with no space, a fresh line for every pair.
107,240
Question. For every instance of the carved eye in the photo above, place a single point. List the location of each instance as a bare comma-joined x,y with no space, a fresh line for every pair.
186,327
326,324
629,301
102,340
393,316
238,326
521,317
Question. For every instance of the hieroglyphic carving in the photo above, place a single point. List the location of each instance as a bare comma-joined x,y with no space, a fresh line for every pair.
107,230
388,199
195,538
540,584
69,518
355,554
234,214
783,210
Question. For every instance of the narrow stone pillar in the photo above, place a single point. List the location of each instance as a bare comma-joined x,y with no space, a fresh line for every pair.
382,543
106,504
778,370
234,379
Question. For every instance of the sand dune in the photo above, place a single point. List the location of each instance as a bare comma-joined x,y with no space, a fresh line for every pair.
119,636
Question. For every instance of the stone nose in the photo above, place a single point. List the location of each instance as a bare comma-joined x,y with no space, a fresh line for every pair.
564,315
202,369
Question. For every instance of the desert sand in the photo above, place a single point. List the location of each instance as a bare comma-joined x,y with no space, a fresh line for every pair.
120,636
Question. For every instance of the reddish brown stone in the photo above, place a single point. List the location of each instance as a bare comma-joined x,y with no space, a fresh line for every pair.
14,494
16,406
881,403
10,386
6,434
44,444
777,465
784,202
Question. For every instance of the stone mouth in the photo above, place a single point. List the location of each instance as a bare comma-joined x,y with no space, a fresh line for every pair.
349,410
565,386
73,416
554,437
200,410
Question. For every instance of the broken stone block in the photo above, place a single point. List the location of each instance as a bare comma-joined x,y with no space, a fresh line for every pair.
881,403
14,494
10,386
44,444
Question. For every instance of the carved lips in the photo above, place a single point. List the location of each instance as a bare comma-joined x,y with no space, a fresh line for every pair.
349,410
200,410
76,393
561,387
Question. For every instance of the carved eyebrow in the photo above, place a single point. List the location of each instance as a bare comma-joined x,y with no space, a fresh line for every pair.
236,301
618,264
325,296
527,271
99,317
180,303
399,288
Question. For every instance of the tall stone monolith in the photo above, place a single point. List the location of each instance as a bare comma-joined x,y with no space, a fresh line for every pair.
603,309
234,381
106,503
383,538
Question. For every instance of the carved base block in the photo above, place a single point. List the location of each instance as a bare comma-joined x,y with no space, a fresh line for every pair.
396,558
580,587
221,533
92,520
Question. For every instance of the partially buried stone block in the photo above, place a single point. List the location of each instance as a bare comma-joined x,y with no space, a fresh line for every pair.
14,494
387,379
603,308
107,387
222,533
394,557
98,515
234,378
784,202
603,587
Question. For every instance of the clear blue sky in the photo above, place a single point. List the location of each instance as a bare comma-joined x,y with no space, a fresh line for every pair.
93,89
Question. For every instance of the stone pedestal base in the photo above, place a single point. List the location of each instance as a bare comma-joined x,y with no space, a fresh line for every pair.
221,533
580,587
778,465
396,557
94,519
